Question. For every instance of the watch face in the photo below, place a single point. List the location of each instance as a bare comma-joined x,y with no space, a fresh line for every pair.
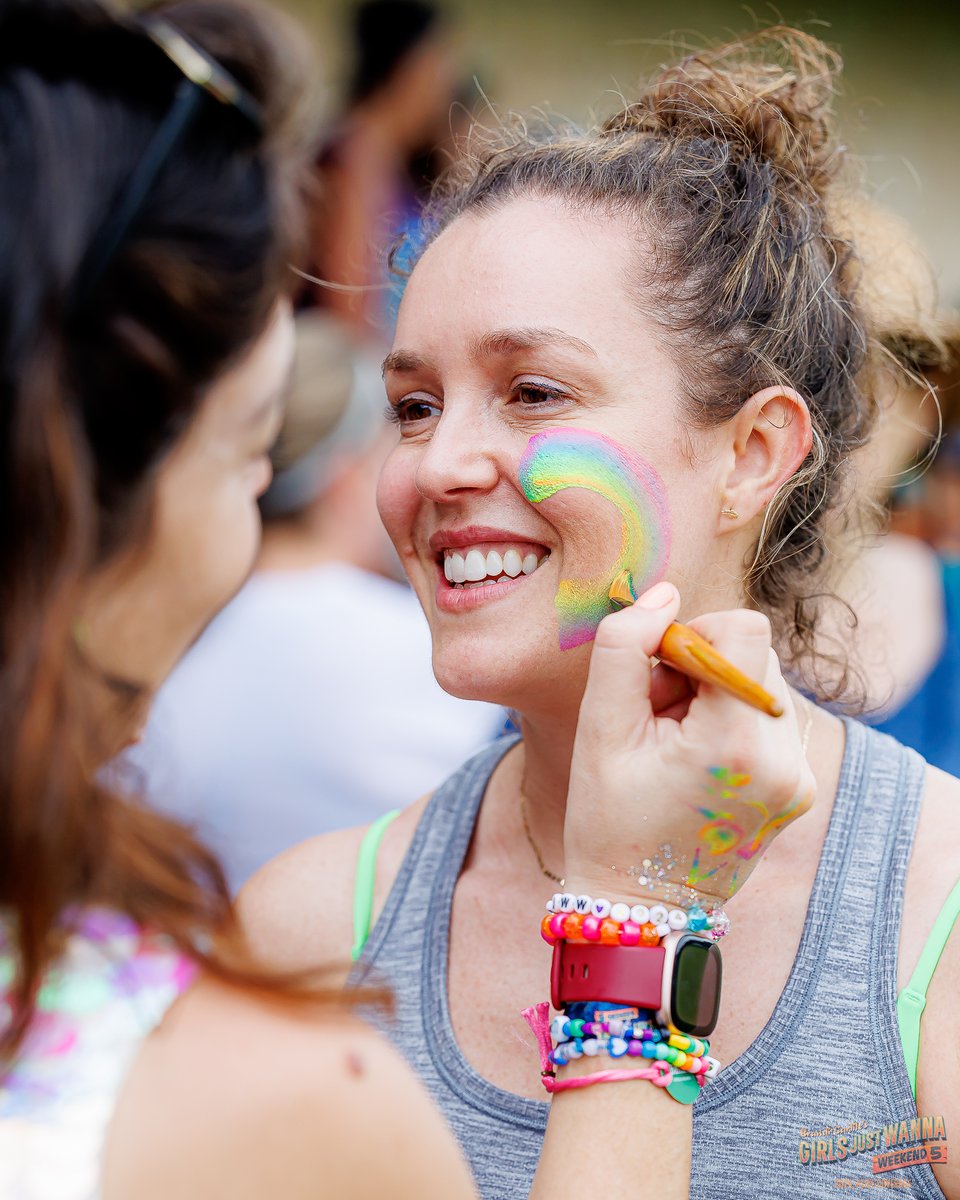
696,986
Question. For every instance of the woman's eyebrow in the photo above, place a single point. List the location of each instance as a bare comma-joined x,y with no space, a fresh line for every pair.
405,360
509,341
498,342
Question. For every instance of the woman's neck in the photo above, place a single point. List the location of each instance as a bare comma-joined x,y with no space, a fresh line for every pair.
532,785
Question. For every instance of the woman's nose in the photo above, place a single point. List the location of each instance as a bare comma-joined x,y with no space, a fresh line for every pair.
457,459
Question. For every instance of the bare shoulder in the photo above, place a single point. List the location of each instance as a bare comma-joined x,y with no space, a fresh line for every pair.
934,871
292,1114
298,908
934,866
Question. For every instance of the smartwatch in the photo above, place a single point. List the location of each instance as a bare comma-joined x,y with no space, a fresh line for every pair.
679,980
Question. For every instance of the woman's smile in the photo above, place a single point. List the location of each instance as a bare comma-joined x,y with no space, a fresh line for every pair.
479,564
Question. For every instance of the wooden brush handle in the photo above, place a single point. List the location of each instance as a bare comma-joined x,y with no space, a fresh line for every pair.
688,652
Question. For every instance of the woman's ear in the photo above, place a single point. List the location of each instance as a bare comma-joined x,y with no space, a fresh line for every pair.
771,436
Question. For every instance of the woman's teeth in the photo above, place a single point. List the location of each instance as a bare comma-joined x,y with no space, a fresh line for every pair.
476,568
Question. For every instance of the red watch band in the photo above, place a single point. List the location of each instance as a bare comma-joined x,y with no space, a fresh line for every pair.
630,975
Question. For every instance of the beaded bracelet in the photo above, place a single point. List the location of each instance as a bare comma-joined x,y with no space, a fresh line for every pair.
696,1065
576,1037
583,919
565,1029
660,1072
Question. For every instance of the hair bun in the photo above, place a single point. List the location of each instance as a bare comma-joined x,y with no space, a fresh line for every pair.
768,95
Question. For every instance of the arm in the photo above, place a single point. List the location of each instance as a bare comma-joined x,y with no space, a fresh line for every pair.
934,870
238,1099
634,774
938,1070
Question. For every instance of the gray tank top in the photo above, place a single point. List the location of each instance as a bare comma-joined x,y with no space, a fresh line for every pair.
826,1073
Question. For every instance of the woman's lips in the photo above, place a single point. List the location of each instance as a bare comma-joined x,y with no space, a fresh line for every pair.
457,594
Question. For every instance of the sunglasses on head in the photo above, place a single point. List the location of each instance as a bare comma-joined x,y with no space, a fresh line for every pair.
203,79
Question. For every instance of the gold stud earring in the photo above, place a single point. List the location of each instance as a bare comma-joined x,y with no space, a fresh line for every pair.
731,513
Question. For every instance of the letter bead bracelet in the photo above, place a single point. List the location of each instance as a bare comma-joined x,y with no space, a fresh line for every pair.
582,919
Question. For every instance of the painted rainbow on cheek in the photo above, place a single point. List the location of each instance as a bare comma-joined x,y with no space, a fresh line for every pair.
576,458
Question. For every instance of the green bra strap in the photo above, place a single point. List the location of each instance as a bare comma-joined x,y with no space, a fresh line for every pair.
364,881
913,998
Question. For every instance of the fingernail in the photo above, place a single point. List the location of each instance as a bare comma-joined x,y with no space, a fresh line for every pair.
658,596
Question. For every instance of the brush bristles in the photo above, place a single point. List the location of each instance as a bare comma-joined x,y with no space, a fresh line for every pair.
621,590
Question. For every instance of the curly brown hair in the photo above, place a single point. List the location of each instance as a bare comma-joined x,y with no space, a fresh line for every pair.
723,164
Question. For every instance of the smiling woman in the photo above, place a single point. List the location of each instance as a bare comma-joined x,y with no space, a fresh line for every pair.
632,348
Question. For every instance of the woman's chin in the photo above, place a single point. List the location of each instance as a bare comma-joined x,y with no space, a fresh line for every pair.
489,686
517,684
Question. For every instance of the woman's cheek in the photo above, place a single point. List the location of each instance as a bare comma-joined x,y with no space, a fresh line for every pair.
397,503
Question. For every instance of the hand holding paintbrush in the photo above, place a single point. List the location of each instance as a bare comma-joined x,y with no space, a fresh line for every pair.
686,651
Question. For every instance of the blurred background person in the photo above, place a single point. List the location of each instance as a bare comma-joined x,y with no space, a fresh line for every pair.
309,704
904,585
370,184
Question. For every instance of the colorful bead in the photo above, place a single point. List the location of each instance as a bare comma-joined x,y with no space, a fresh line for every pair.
575,1029
573,926
616,1047
558,1029
566,902
648,935
601,908
546,930
591,928
635,1049
584,905
558,924
721,925
609,933
696,918
629,934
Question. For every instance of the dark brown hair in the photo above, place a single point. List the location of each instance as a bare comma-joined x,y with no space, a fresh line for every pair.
91,402
723,163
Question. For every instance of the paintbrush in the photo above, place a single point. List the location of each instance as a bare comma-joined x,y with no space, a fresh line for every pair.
693,655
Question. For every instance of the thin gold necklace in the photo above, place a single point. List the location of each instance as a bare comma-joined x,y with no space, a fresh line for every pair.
533,845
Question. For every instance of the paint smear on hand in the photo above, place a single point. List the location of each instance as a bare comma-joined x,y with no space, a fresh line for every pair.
576,458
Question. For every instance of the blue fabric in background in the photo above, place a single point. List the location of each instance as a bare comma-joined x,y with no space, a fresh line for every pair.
930,719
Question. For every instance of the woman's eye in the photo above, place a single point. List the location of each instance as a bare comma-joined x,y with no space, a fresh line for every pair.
532,395
413,409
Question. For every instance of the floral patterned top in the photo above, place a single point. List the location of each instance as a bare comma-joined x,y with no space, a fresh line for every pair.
96,1005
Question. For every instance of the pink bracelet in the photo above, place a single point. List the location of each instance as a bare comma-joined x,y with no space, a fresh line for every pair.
660,1075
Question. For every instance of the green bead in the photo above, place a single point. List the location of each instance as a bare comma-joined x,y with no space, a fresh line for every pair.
576,1027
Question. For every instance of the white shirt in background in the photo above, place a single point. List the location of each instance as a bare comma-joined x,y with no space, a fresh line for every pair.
308,705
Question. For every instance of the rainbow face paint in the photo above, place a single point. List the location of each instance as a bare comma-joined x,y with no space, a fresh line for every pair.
576,458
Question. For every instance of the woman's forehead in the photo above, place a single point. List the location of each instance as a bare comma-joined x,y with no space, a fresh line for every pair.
529,264
532,273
